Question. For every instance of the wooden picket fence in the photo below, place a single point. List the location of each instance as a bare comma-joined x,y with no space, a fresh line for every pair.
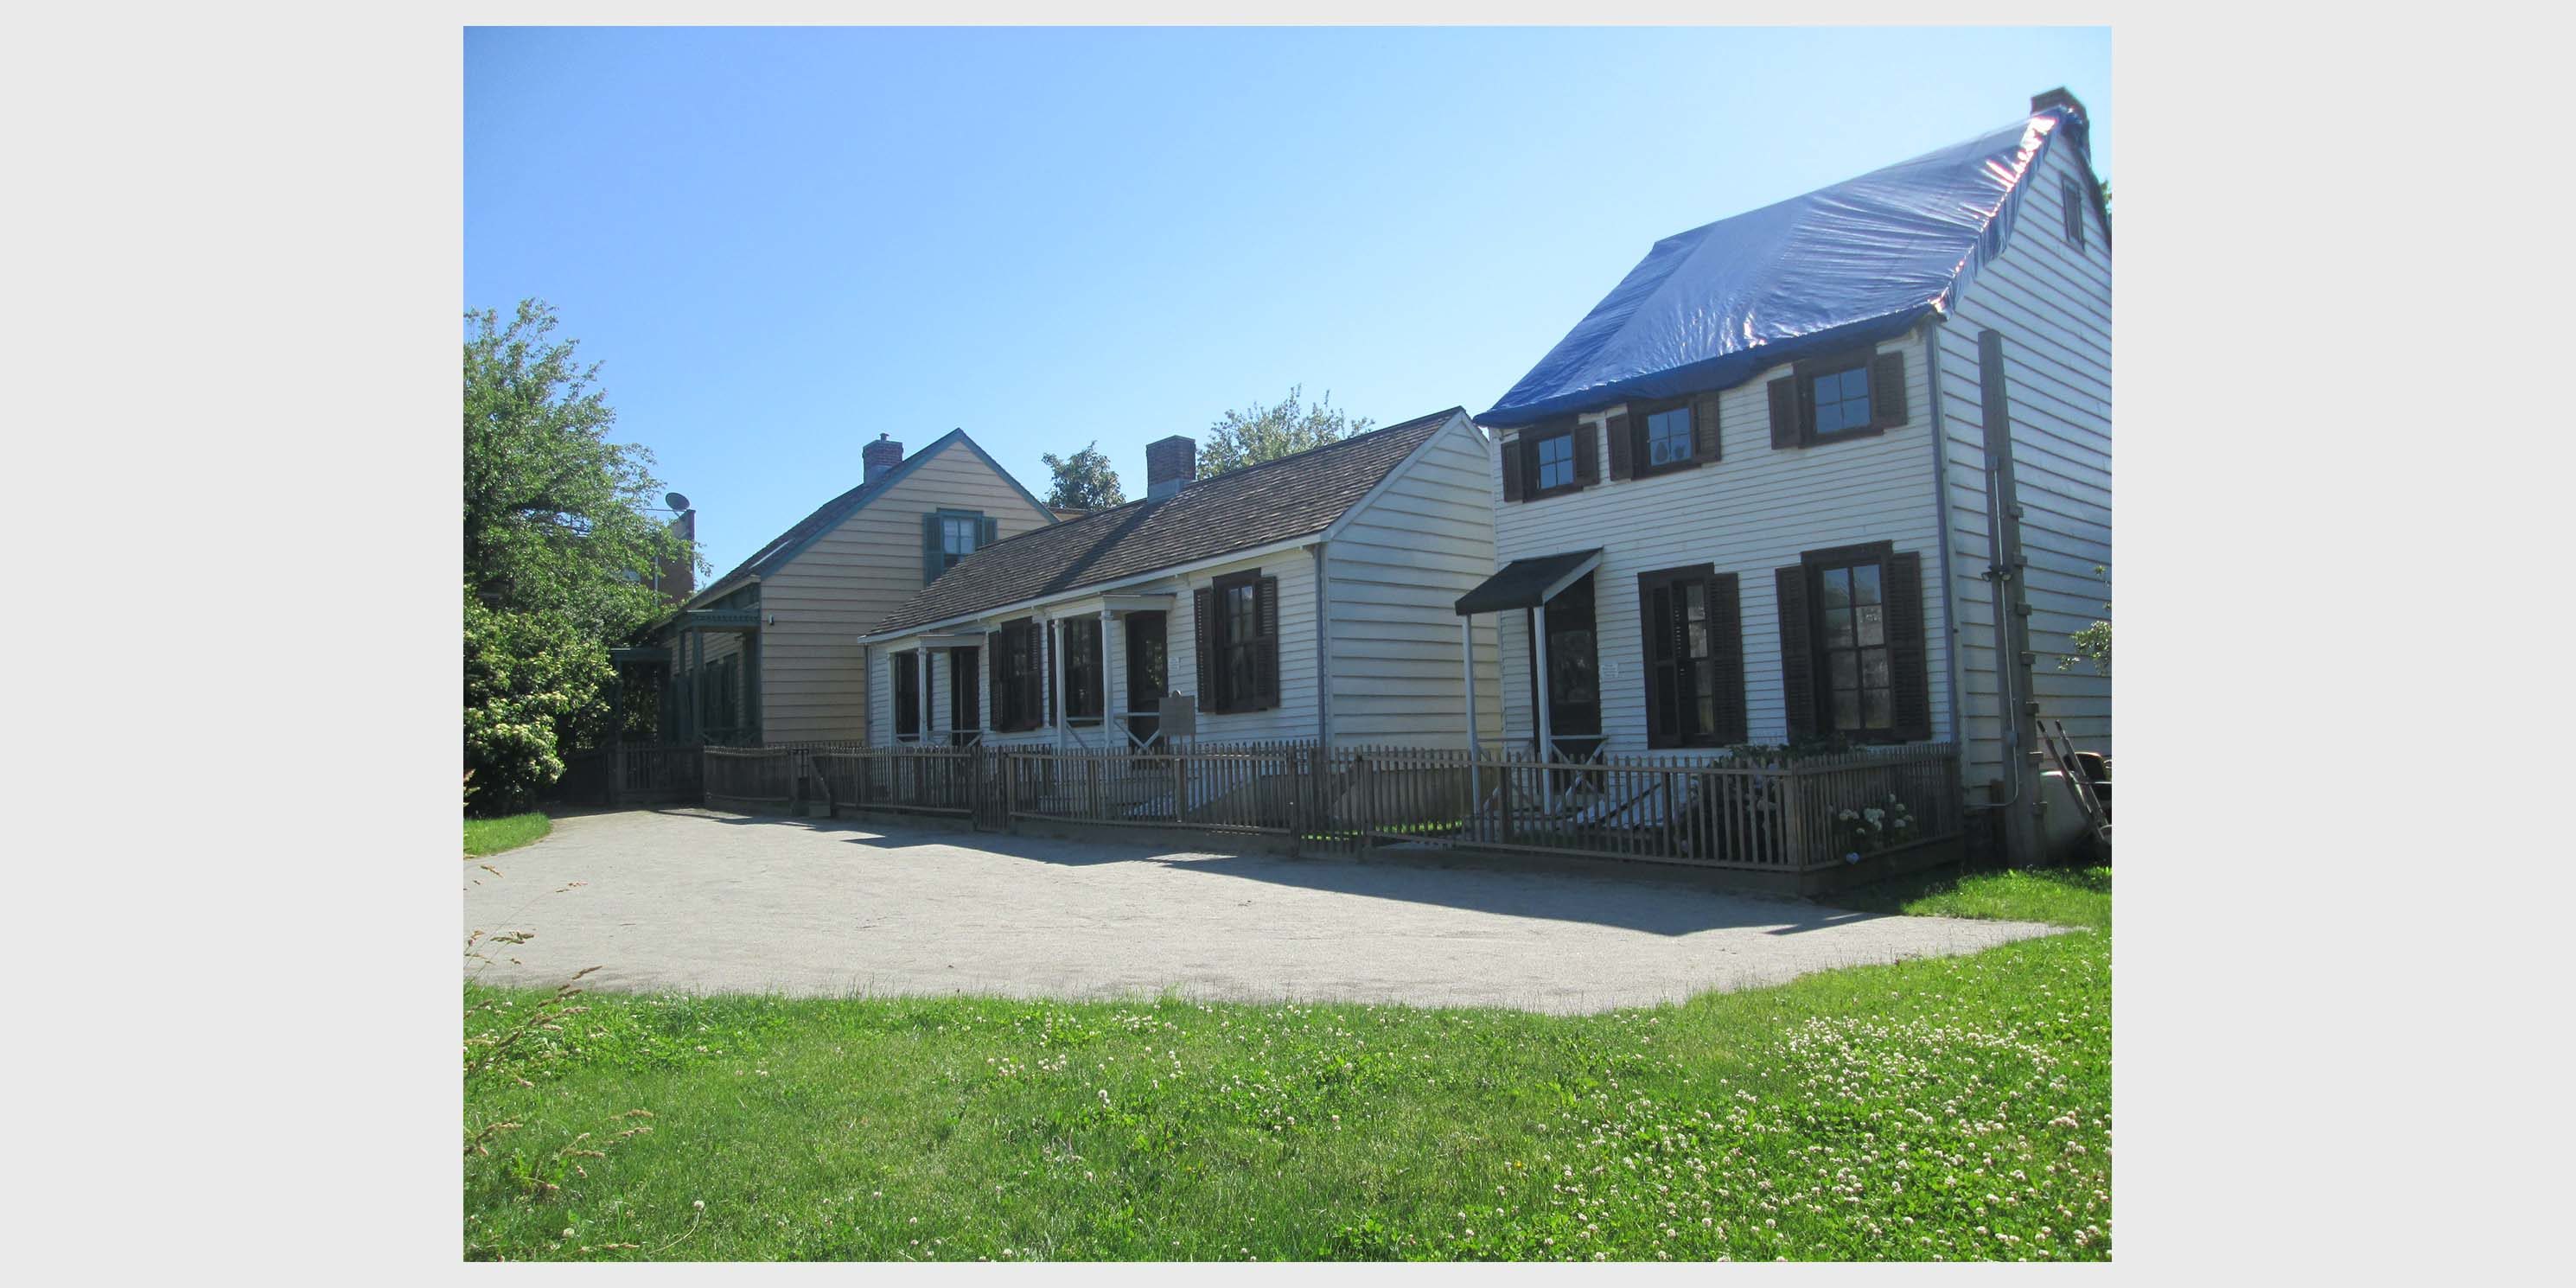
1789,815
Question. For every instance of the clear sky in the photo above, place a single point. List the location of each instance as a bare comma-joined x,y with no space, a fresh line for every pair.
781,242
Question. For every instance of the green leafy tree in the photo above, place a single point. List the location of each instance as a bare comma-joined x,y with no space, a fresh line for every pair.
2092,643
1255,434
1083,481
560,549
557,518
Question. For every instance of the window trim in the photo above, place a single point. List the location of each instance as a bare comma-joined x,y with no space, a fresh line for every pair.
1816,563
2071,195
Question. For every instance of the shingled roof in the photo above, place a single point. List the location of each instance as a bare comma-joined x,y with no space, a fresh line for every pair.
1258,505
791,543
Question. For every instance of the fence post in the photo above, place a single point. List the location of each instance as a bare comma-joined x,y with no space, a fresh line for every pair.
1301,771
1368,799
1793,815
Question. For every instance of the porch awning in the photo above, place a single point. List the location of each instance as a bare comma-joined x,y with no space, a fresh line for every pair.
1528,583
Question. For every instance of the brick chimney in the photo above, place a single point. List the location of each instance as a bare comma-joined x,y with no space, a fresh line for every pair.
2057,97
1170,465
881,455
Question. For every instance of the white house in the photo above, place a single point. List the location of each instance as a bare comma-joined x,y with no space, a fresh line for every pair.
1303,598
1764,492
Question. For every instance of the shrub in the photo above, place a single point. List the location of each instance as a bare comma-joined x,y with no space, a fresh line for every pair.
528,678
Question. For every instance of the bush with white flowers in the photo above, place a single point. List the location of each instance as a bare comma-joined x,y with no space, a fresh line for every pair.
1870,829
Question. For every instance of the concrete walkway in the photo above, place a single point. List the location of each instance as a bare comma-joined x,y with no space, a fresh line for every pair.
698,901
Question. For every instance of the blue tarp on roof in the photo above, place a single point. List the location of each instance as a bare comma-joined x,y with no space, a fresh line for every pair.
1850,264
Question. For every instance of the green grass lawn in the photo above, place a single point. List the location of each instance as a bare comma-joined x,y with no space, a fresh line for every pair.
493,835
1956,1108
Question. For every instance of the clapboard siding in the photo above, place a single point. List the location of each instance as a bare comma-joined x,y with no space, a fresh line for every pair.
1753,510
1294,717
812,686
1400,561
2052,303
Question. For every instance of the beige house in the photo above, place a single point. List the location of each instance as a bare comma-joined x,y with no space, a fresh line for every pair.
766,654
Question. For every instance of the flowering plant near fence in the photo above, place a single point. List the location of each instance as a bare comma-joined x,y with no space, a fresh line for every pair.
1870,829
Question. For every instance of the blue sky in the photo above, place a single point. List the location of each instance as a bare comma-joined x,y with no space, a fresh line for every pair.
781,242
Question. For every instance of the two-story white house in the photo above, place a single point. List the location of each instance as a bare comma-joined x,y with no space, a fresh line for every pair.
1302,599
1768,489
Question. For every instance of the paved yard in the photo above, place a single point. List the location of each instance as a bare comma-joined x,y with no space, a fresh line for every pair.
699,901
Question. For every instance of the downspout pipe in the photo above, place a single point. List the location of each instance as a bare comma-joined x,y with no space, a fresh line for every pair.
1933,330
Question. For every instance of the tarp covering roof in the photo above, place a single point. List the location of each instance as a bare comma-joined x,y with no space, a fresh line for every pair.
1526,583
1856,262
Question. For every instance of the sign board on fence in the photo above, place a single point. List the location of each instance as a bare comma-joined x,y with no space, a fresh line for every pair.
1180,715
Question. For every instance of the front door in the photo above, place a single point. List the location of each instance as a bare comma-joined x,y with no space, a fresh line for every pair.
1573,673
1146,677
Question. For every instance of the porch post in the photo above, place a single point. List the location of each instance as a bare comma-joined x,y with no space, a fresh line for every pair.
1467,649
1546,728
697,687
1055,655
921,709
1109,681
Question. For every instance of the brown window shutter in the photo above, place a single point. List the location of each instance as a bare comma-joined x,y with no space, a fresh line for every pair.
1797,652
1656,648
1623,447
1887,391
1587,455
1910,680
997,681
1705,443
1205,649
1784,412
1265,658
1726,626
1046,674
1512,467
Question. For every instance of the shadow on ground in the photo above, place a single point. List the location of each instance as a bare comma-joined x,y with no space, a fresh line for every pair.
1643,897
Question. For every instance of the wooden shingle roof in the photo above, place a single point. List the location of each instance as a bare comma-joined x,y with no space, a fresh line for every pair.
1258,505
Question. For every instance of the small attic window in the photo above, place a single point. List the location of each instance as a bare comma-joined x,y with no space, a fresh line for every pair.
2070,194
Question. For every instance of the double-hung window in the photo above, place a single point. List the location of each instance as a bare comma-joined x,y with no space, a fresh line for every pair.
956,539
1668,437
1841,399
1851,636
1553,455
1238,647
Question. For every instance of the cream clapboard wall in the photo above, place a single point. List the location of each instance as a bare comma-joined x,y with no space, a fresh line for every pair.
1400,562
812,685
2052,303
1294,717
1754,510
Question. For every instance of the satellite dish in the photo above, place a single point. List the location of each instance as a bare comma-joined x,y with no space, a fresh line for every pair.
675,500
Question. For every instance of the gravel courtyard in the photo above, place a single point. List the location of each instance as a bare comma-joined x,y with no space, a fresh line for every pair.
698,901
